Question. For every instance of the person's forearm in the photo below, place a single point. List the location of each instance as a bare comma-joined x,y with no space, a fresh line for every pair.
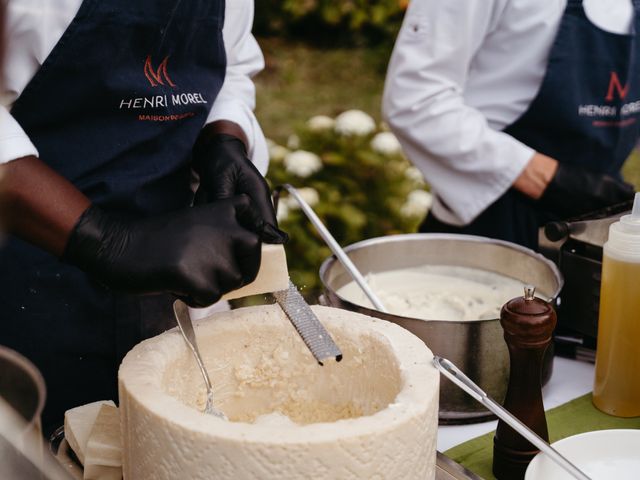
223,127
39,205
236,101
536,176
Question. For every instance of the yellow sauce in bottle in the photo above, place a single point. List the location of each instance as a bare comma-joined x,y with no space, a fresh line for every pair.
617,380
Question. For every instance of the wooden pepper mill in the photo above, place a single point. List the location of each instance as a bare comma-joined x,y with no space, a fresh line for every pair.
528,324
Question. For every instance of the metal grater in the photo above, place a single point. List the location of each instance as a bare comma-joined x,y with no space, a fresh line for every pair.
313,333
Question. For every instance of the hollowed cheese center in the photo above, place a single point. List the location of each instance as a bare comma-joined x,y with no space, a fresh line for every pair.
270,370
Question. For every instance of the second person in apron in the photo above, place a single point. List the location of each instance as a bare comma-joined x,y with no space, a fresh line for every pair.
517,112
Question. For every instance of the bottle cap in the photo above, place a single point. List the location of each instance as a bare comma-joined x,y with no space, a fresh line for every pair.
624,235
631,223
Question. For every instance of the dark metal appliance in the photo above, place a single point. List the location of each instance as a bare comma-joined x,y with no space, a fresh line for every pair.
575,246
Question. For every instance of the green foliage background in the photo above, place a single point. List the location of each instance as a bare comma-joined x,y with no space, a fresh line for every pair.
345,20
360,190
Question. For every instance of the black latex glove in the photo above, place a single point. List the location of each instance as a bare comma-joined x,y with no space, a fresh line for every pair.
574,191
197,253
224,169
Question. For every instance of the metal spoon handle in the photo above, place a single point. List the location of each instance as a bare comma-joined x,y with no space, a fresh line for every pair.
186,328
454,374
335,247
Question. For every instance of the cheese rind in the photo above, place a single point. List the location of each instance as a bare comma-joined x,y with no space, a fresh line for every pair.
378,415
103,456
78,423
273,274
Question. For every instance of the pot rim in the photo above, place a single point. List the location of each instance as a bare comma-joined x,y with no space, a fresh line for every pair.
329,261
36,377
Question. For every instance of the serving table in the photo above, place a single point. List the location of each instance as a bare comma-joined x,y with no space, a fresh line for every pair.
567,399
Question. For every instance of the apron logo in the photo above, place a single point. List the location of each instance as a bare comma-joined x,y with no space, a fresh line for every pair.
617,112
168,107
616,86
156,77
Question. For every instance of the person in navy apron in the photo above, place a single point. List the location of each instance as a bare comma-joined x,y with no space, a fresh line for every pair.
582,125
117,112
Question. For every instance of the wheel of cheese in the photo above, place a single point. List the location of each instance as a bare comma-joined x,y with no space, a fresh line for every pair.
371,416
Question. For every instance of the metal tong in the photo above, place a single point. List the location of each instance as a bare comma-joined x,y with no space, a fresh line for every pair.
332,244
453,373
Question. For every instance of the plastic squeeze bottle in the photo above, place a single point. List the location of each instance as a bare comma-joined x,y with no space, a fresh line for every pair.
616,388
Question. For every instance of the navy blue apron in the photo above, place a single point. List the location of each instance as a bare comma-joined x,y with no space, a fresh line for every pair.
115,108
586,113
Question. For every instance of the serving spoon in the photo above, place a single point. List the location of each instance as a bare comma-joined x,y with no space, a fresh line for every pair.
185,325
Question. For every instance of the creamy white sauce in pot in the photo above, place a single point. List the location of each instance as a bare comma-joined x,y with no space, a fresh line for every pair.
438,292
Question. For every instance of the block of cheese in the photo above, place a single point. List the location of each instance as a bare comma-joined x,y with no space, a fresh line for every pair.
273,274
103,456
372,415
78,423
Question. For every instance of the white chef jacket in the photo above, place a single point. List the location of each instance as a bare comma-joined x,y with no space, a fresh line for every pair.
35,26
463,70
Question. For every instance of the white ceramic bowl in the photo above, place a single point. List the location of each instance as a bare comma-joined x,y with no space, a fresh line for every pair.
602,455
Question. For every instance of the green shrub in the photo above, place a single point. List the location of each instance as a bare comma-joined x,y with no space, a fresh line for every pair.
358,20
353,174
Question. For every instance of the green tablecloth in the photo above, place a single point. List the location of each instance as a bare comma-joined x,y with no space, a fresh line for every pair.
577,416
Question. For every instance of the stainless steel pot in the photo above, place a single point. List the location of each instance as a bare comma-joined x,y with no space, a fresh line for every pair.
22,389
478,346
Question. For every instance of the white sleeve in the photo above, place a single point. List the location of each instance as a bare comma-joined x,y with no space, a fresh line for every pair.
14,142
467,164
237,98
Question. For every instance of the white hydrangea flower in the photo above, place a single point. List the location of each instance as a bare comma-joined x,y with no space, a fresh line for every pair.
293,142
414,174
320,123
386,143
417,204
354,122
308,194
277,152
302,163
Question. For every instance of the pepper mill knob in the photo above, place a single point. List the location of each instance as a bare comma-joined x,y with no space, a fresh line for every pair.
529,292
528,324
